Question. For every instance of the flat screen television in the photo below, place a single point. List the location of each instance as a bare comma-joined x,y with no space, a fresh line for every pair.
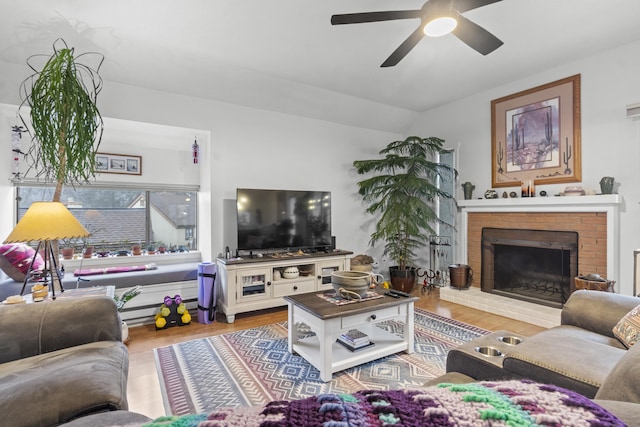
283,219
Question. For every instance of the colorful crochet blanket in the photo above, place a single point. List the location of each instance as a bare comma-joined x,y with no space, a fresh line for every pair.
500,403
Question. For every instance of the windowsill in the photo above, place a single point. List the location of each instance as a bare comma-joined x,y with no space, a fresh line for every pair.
159,259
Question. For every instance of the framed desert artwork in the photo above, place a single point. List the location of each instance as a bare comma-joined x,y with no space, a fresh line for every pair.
535,135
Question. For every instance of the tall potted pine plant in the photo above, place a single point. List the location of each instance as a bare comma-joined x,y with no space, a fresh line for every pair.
401,192
65,123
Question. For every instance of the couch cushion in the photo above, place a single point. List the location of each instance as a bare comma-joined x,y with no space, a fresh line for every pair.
52,388
623,382
590,336
596,311
627,330
15,259
111,418
629,413
562,356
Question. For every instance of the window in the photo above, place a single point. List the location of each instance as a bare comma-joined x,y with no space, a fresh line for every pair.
447,213
119,218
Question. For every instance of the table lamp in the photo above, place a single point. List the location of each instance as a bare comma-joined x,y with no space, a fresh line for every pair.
47,222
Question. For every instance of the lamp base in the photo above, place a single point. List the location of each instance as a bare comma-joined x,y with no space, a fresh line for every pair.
51,275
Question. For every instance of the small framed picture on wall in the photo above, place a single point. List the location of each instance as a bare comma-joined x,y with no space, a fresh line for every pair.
118,163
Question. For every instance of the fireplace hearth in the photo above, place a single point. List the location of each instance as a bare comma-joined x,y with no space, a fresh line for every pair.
531,265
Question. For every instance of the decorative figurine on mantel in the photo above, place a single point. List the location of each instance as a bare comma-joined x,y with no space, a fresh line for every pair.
606,184
468,188
490,194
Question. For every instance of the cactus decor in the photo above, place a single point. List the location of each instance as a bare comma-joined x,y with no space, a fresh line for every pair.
402,195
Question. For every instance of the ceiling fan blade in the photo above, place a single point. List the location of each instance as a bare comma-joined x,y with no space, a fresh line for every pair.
359,18
465,5
475,36
404,48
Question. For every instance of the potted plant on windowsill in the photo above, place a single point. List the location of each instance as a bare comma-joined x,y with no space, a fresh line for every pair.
401,192
68,249
121,301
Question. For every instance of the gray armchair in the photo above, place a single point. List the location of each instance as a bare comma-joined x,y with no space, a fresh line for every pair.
60,360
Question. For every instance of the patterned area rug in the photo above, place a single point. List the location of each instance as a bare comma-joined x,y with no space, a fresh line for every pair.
253,366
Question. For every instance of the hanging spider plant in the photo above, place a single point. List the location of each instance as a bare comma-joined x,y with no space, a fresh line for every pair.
66,126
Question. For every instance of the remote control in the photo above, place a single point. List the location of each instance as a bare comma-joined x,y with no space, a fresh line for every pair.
404,294
389,294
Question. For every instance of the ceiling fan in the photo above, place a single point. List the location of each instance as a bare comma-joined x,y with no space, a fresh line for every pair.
438,17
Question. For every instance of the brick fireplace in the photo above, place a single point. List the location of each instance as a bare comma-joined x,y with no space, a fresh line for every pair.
593,218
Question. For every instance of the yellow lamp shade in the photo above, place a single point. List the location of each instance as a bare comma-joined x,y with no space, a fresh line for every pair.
47,221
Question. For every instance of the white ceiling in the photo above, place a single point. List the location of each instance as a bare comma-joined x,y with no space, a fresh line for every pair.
284,55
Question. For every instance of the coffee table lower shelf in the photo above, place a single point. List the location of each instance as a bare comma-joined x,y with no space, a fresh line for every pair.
342,358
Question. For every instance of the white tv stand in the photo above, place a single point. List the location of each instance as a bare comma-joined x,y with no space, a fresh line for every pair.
250,284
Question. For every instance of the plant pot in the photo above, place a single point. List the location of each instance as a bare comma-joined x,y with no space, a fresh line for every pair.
88,252
402,280
136,250
125,332
67,253
162,249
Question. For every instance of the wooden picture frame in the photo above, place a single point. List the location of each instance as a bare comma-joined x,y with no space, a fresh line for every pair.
118,163
535,135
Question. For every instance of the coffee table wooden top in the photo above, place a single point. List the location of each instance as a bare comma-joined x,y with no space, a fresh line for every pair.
324,309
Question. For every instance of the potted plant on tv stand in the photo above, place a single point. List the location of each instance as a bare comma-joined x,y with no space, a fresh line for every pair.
401,194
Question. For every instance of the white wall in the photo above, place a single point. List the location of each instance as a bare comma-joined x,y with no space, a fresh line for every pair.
261,149
610,141
249,148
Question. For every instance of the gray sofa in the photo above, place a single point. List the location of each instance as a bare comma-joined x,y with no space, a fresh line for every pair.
581,354
60,360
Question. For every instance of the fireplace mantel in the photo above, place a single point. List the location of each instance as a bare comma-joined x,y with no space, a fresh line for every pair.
543,204
601,203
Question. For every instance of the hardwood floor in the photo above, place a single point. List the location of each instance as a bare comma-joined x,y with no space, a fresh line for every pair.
144,388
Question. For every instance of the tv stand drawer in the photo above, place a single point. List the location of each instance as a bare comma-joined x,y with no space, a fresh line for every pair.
297,287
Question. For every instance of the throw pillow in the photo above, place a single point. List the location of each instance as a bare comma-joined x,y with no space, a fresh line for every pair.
628,328
15,259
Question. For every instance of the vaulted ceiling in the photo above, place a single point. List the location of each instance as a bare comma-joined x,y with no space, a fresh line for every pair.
284,55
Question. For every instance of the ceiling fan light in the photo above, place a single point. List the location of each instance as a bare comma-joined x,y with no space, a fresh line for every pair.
440,26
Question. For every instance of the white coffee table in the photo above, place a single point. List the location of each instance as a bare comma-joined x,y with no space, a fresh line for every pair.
329,320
